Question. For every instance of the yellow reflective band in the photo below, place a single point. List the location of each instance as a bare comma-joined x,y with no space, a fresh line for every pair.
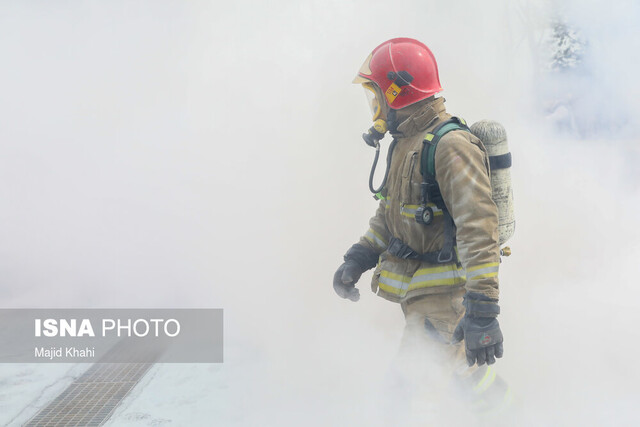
462,121
394,276
413,214
486,381
391,289
441,282
403,291
439,269
410,210
478,267
376,239
483,407
427,271
392,93
483,271
484,276
398,284
429,136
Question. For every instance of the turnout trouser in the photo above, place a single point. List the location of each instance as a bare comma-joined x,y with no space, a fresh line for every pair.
439,366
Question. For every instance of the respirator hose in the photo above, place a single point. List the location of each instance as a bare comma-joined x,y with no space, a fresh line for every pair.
375,163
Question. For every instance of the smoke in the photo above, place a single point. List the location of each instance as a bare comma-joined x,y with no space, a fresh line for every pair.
196,154
598,94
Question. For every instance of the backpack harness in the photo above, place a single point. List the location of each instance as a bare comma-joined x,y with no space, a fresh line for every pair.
430,193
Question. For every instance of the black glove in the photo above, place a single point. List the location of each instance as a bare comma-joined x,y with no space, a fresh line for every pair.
480,330
358,259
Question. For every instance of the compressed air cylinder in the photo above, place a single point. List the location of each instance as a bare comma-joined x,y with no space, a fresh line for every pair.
494,137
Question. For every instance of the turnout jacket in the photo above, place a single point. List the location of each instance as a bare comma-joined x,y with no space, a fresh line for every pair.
462,172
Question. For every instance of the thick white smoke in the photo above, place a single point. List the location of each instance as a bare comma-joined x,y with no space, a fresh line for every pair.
208,154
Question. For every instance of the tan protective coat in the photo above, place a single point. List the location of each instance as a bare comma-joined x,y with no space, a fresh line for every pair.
462,171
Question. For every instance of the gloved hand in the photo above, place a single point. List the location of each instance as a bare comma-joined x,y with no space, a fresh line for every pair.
344,281
480,330
358,259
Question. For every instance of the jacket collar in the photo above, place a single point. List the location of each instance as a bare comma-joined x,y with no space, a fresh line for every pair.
418,117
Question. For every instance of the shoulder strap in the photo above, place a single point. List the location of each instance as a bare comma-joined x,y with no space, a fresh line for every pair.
428,160
431,190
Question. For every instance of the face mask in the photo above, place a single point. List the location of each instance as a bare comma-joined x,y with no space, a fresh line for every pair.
372,100
379,128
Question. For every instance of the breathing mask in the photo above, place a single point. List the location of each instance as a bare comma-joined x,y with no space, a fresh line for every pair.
379,128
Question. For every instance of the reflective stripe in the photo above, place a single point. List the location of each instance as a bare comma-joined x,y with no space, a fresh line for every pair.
484,276
488,406
398,284
393,286
375,238
478,267
486,381
410,210
424,273
484,271
495,408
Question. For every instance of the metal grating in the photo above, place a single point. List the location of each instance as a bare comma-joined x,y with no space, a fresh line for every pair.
93,397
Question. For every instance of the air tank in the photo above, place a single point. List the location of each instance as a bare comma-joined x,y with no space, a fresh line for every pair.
494,137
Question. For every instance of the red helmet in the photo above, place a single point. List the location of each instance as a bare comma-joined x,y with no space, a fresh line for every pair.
404,69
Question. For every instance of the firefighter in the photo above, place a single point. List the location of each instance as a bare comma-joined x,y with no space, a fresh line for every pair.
434,243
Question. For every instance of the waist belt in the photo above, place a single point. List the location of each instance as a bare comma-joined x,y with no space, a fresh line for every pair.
401,250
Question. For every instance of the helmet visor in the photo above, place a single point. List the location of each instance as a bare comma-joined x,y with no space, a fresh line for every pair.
372,100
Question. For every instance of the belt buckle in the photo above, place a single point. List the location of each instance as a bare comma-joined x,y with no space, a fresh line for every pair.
399,249
442,260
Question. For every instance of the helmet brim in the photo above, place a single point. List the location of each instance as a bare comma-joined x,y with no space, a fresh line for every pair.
359,80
